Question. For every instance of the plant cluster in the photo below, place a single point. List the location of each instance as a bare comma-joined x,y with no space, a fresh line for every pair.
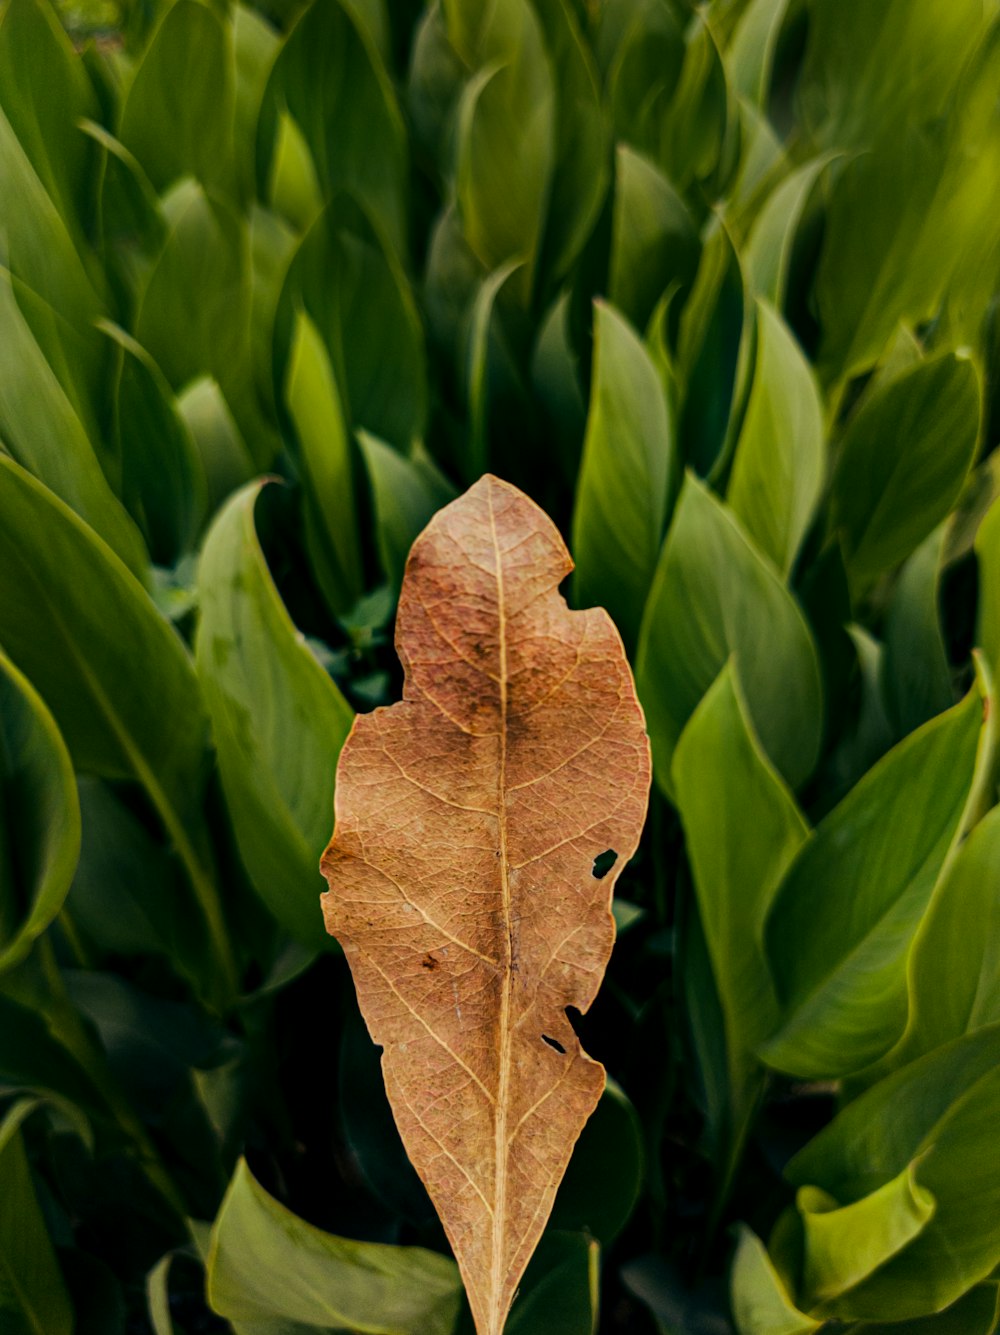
717,286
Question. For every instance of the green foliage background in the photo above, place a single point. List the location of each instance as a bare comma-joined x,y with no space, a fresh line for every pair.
717,285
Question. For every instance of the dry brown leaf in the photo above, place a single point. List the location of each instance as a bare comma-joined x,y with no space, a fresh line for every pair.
461,871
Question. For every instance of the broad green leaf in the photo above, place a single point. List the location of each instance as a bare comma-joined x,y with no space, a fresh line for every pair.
976,1313
654,243
39,816
555,379
987,549
871,69
407,491
33,1297
771,241
847,911
628,476
132,226
714,354
293,189
580,167
177,117
640,45
714,596
115,674
603,1182
695,130
938,1113
42,430
327,460
256,44
902,462
779,466
481,344
194,313
738,865
955,967
868,734
225,460
507,144
353,288
162,477
330,78
434,82
844,1244
277,718
267,1264
750,56
916,675
45,92
560,1292
761,1303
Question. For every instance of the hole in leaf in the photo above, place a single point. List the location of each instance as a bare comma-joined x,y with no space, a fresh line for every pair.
553,1043
603,863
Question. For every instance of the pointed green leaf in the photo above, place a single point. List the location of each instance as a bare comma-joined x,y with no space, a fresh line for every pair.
779,464
407,492
761,1303
177,117
847,911
714,595
277,718
628,477
293,188
902,462
771,242
39,816
266,1264
719,766
326,455
844,1244
916,674
654,243
33,1297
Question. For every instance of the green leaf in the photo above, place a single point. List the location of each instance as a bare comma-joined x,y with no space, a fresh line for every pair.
265,1264
761,1303
225,460
33,1297
902,462
750,57
603,1182
719,766
847,911
987,549
278,721
162,477
194,313
43,431
628,476
916,675
481,343
580,167
871,69
977,1313
560,1293
39,816
327,459
115,674
714,595
714,354
177,116
955,967
844,1244
329,77
771,242
555,379
938,1113
407,491
293,188
353,288
506,144
654,242
779,464
695,129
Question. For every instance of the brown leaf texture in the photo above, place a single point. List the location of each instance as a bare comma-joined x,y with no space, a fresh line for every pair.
461,871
